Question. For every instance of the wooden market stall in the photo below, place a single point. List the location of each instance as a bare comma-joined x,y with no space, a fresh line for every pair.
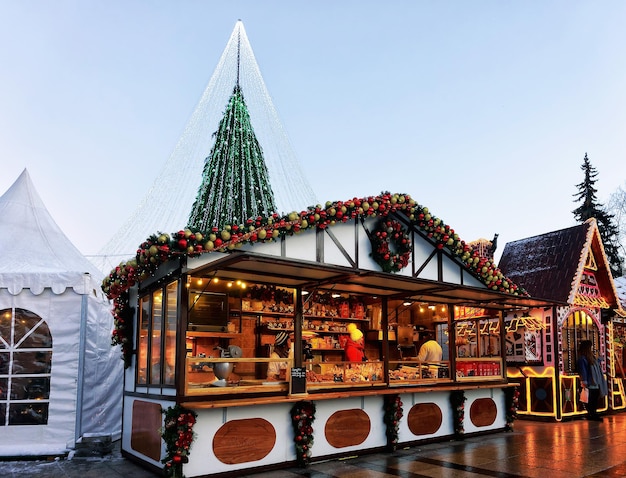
569,267
198,325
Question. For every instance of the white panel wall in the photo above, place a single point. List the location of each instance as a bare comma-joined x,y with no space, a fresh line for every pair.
300,246
344,233
497,394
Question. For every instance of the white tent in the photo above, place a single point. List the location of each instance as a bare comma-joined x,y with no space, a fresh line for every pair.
60,379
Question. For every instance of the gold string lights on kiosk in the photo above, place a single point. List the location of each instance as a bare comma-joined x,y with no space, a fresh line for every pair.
525,322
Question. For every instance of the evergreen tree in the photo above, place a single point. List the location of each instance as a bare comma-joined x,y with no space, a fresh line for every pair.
235,181
589,208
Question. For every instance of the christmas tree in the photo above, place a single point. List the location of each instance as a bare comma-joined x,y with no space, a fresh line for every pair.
235,181
589,208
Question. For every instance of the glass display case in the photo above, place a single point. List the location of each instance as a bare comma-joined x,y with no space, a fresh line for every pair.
341,374
409,372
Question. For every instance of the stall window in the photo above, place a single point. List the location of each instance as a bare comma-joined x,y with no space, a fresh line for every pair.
579,326
489,337
142,347
155,337
156,352
170,333
466,339
25,366
524,339
619,344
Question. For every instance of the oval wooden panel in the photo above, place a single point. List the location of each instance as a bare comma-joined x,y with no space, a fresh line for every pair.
424,418
483,412
242,441
347,428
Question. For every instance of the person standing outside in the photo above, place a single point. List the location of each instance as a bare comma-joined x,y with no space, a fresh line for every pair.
591,378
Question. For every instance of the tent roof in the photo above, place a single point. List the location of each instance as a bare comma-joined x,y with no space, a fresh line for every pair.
34,251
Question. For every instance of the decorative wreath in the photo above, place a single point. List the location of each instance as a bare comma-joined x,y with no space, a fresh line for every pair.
386,233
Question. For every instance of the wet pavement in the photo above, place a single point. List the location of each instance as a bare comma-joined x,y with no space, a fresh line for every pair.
572,449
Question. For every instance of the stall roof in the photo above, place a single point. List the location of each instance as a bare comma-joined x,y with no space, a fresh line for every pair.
552,264
260,268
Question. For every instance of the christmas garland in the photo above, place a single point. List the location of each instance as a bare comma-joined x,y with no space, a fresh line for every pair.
392,405
160,247
178,435
512,404
386,233
302,418
123,331
457,400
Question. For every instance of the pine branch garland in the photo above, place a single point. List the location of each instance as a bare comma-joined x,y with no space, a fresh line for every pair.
392,406
178,435
457,401
511,396
302,418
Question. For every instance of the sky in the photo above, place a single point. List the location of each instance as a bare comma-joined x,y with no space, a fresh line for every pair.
481,110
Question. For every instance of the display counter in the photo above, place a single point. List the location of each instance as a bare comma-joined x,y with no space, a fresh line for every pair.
220,376
414,372
236,377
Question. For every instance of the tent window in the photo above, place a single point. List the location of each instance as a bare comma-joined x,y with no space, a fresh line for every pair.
25,366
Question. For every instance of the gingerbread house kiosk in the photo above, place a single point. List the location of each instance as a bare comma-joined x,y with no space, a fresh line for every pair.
569,267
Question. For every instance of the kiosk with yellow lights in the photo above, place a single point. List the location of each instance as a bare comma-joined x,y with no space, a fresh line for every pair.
569,267
199,326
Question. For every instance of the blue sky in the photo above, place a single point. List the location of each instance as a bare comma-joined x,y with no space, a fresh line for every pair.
481,110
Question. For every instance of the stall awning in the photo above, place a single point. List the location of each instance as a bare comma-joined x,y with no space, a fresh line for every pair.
259,268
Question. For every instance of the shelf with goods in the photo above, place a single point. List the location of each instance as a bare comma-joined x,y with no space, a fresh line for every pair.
483,368
322,332
311,324
231,330
275,301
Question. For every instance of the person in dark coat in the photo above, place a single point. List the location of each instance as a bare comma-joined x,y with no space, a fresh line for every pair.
591,378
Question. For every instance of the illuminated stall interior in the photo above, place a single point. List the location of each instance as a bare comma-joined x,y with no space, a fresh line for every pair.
228,315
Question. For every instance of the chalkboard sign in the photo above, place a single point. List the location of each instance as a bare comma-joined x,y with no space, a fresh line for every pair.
298,380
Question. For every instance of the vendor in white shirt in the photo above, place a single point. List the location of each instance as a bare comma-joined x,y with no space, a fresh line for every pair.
282,349
430,351
430,355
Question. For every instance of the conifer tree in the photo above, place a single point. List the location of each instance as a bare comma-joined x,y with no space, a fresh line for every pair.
589,208
235,180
